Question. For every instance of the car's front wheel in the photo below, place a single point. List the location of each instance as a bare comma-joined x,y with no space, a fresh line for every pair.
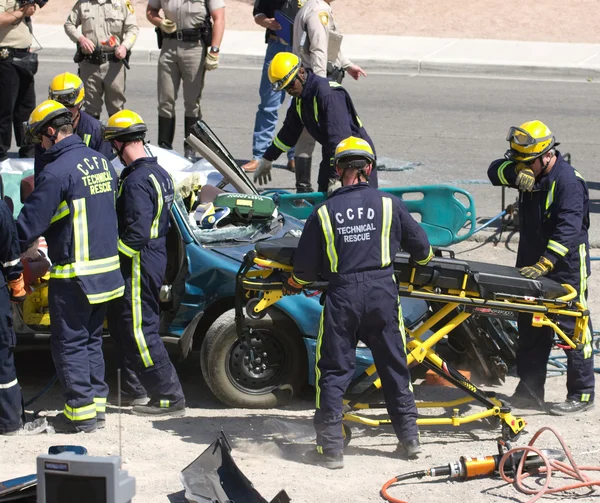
262,373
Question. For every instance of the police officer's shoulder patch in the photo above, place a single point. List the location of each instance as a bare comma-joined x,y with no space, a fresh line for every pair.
324,17
129,6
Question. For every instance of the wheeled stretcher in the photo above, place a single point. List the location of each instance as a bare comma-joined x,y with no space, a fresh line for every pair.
459,289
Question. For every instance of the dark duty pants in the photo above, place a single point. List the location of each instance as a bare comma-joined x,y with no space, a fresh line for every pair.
134,320
76,344
10,391
534,349
17,101
362,306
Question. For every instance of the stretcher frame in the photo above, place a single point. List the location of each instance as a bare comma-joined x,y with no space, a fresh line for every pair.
261,288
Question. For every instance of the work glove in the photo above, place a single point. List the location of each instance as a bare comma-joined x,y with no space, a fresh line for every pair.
525,178
542,267
17,290
291,287
334,184
167,26
263,172
212,61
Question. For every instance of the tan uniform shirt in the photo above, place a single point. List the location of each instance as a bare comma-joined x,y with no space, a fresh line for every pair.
16,37
99,19
186,14
312,28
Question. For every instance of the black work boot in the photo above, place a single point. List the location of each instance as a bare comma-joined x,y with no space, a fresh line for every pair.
333,461
570,406
63,425
166,132
409,448
303,165
157,408
188,151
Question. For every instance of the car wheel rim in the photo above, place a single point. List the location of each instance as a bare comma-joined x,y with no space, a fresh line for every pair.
260,368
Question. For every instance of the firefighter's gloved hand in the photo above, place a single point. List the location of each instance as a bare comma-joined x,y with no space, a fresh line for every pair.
167,26
262,175
212,61
17,290
542,267
292,287
525,178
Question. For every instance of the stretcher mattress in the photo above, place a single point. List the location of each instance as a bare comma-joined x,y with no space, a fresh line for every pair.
488,280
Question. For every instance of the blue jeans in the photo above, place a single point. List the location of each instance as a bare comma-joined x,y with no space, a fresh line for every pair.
270,102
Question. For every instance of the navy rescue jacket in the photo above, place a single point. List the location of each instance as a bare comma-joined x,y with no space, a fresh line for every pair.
326,110
554,218
89,129
144,203
10,261
73,206
357,229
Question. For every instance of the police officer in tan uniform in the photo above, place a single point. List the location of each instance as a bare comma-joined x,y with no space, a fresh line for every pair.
189,48
17,88
316,38
104,31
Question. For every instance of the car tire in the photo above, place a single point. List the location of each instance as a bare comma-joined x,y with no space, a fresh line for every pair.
223,360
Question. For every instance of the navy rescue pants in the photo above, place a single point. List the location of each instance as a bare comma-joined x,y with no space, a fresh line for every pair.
76,345
362,306
134,320
10,391
534,349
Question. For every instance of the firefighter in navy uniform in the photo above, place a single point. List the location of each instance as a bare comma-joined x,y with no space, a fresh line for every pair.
73,206
554,220
12,289
321,106
350,240
68,90
143,208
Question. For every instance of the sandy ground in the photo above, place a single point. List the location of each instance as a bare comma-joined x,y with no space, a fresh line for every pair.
268,443
543,20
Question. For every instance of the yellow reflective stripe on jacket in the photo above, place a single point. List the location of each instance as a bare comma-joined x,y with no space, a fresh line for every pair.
80,230
578,175
155,222
86,139
99,298
332,83
316,109
299,108
126,250
300,281
100,404
61,212
87,268
329,238
358,121
136,308
550,196
426,260
557,248
280,145
386,229
501,169
80,413
10,384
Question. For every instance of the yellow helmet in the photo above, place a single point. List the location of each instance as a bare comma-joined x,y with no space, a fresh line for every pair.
353,147
283,70
66,88
48,113
124,126
529,141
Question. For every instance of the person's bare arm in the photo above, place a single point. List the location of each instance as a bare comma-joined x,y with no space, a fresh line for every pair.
153,16
16,16
218,16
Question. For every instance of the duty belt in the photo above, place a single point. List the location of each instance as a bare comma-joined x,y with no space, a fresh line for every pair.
188,35
98,59
10,52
